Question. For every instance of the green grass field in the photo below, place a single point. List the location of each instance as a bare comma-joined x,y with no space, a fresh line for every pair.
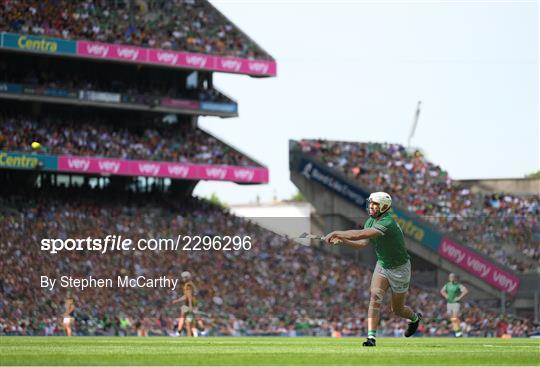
265,351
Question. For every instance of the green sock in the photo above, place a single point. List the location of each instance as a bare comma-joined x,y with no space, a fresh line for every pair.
372,333
415,318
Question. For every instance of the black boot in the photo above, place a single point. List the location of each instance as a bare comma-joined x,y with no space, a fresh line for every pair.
370,342
413,326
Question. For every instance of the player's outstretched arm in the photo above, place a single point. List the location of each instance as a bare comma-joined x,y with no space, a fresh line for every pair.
354,244
353,234
181,299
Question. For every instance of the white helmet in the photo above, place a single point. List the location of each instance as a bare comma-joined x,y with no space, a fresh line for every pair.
186,275
383,199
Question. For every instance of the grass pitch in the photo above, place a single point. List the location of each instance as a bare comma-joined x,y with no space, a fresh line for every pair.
265,351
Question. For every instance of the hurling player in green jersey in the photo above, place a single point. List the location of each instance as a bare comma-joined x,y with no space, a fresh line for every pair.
393,269
453,292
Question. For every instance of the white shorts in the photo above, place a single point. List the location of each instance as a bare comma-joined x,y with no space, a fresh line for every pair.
453,308
189,315
399,278
67,320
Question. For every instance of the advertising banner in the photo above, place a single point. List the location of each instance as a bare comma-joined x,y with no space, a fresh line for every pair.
196,61
324,176
112,51
94,96
28,161
180,103
416,229
245,66
128,53
39,44
45,91
164,57
479,266
57,92
162,169
219,107
10,88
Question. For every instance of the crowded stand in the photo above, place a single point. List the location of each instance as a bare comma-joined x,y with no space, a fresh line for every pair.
115,136
129,80
183,25
260,291
502,225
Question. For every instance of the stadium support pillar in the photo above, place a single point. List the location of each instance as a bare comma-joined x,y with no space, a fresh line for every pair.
503,303
536,307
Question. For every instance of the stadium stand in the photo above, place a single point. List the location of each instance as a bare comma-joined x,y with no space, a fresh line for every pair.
257,292
186,25
129,80
500,225
277,288
114,135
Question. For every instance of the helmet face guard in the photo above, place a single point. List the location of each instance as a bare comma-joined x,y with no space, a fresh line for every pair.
369,201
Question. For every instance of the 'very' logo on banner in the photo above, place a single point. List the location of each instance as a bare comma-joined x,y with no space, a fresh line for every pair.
80,164
215,172
244,174
233,65
479,266
196,60
508,284
129,53
109,166
149,168
258,67
178,170
167,57
453,252
97,50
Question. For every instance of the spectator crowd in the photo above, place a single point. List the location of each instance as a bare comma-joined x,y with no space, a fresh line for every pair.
502,225
184,25
278,287
93,135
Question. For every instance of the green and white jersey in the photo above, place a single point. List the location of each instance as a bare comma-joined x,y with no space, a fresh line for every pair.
453,290
390,245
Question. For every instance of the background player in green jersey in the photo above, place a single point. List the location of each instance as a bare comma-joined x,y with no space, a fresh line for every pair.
393,269
454,292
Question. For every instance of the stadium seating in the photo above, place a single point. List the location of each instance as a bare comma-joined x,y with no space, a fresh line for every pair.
186,25
276,288
93,135
500,225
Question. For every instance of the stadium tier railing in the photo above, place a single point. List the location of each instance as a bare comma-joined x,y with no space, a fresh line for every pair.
94,97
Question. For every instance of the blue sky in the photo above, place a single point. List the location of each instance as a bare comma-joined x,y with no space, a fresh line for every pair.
354,70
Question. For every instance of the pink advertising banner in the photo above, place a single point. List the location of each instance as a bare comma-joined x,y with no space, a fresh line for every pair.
174,58
111,51
243,66
162,169
479,266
